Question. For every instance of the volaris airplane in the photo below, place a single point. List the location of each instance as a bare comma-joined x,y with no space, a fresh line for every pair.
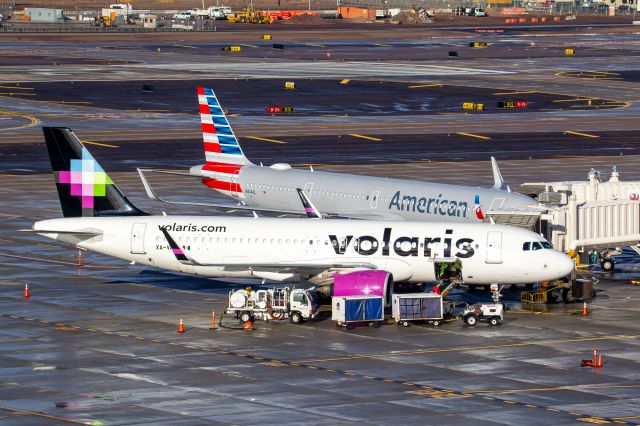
98,217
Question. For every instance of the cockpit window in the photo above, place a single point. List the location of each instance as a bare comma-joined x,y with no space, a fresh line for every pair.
547,245
526,246
536,246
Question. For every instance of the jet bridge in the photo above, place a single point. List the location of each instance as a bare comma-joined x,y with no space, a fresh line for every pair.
599,212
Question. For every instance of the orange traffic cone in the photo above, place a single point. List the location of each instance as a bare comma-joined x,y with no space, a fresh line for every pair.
213,319
181,327
248,326
79,258
584,309
599,361
26,291
595,357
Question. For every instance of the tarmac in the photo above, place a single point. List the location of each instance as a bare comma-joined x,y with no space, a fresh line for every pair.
97,343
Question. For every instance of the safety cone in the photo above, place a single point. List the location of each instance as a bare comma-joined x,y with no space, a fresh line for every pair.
79,258
26,291
181,327
248,326
584,309
595,357
213,319
599,361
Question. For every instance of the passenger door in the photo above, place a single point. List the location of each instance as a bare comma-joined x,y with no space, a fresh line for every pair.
234,184
374,199
137,238
494,247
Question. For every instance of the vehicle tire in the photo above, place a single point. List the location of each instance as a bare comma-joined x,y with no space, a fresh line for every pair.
607,265
567,296
405,323
494,321
436,323
471,320
348,326
245,316
552,296
296,318
377,324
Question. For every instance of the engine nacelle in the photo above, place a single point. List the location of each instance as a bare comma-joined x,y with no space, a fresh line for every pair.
364,283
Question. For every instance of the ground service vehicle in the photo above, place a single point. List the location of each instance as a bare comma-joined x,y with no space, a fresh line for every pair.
250,16
349,310
475,11
493,313
272,304
103,21
417,307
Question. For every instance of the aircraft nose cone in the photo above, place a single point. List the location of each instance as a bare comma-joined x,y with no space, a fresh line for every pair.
566,265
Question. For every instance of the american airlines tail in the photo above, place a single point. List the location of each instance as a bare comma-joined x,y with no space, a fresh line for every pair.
83,186
223,155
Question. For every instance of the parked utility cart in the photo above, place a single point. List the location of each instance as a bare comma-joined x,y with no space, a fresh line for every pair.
493,313
350,310
272,304
410,307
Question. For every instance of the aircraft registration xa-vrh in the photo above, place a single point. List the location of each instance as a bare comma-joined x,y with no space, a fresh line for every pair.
255,187
98,217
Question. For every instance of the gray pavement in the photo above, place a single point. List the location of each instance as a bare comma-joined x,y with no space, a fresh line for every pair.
97,344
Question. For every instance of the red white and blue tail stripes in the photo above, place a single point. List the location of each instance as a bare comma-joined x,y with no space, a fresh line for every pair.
224,157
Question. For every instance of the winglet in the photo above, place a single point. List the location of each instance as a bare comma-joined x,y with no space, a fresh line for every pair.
309,208
175,248
147,186
498,181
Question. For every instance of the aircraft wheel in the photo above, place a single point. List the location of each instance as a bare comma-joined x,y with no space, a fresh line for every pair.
567,296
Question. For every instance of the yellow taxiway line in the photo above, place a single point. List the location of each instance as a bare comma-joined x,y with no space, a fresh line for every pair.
473,135
355,135
417,86
264,139
569,132
100,144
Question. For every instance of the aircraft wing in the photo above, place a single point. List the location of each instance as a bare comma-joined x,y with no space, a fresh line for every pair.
80,232
281,267
151,193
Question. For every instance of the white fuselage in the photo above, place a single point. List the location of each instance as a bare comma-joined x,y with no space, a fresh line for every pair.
231,245
368,197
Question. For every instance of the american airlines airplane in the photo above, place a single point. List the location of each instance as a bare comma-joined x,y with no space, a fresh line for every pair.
98,217
255,187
